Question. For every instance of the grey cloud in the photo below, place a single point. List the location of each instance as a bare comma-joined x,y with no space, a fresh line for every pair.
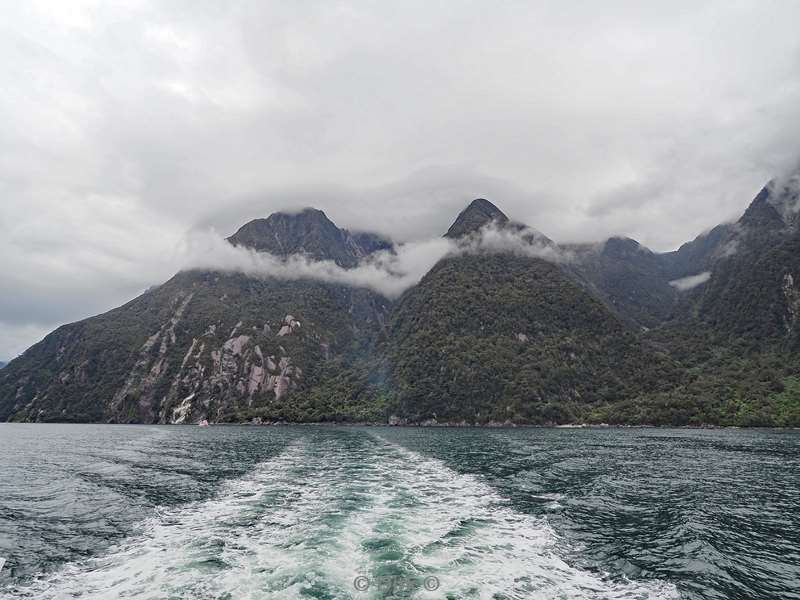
388,273
127,124
418,206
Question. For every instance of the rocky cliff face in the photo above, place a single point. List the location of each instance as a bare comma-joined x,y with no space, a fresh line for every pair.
238,353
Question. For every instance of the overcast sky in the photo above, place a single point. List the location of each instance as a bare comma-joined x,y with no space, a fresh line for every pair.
126,124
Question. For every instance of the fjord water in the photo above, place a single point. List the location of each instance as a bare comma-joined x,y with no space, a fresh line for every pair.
300,512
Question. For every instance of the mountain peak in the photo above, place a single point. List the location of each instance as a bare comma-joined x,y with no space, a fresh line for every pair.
621,247
479,213
784,196
309,232
777,205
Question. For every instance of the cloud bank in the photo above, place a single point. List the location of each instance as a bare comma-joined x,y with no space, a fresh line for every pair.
389,273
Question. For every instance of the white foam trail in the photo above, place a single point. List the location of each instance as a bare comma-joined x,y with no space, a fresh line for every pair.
173,551
331,508
460,530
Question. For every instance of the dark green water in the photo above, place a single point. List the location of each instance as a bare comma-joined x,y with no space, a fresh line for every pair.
301,512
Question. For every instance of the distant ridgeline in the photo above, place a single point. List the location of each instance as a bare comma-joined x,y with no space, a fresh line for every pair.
537,333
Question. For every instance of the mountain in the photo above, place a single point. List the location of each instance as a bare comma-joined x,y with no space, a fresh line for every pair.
754,285
472,222
499,337
735,329
204,345
493,333
2,364
740,278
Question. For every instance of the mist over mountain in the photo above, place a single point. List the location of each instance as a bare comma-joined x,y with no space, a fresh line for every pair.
293,318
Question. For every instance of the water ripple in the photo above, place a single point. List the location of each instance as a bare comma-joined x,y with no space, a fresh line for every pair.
246,513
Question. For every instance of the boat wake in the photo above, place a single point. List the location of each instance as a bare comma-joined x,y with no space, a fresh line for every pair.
340,517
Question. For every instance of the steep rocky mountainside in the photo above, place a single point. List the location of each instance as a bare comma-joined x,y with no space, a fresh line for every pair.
203,345
2,364
610,332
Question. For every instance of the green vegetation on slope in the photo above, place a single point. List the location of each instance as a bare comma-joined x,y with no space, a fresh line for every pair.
722,379
499,337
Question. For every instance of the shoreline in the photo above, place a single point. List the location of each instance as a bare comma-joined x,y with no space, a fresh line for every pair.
423,425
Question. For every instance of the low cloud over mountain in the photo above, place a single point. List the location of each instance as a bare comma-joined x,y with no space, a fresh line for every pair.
388,272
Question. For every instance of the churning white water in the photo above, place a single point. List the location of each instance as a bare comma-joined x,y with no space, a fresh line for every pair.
339,518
